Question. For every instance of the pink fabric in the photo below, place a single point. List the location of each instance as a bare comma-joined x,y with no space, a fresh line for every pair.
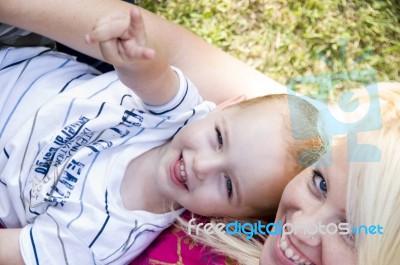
175,247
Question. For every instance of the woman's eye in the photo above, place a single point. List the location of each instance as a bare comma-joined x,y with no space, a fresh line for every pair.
219,138
319,182
228,186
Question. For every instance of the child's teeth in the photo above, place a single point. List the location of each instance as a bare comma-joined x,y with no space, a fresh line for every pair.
183,174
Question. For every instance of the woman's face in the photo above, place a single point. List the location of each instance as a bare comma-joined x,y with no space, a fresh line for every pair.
315,198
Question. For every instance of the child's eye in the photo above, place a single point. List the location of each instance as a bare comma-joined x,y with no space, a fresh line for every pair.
228,186
219,138
319,183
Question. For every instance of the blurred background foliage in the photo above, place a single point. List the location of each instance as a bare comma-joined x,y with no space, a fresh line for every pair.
289,39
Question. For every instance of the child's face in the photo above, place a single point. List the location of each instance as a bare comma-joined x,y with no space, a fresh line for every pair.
229,164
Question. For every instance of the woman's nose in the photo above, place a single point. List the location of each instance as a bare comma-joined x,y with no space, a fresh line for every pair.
309,227
206,165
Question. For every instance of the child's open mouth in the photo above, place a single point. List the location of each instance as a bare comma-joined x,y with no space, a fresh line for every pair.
178,173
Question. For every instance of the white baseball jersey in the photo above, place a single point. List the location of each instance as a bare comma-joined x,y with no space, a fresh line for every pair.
67,135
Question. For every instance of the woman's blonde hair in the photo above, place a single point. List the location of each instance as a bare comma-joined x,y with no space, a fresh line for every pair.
242,250
373,196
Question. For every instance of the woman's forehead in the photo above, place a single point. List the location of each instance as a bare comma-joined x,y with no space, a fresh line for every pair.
337,156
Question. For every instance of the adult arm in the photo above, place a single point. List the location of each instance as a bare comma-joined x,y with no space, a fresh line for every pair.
9,247
218,75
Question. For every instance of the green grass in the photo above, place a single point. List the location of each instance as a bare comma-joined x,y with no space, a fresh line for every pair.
290,38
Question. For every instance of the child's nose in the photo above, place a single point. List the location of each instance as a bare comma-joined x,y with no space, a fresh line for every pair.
205,166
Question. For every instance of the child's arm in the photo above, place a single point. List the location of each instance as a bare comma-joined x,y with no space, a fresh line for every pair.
9,247
141,63
218,75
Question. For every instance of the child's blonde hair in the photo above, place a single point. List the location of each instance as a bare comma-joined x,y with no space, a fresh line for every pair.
306,139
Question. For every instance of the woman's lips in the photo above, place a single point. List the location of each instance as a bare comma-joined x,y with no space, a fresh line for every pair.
280,254
287,254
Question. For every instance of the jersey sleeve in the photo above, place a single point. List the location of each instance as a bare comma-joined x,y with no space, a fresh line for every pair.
187,98
55,238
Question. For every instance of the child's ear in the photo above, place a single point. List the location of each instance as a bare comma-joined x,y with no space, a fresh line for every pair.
230,102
